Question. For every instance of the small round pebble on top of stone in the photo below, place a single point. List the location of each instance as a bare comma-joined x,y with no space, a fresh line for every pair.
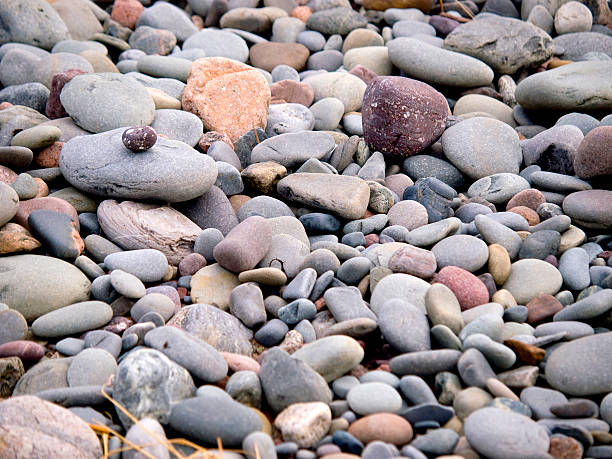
139,138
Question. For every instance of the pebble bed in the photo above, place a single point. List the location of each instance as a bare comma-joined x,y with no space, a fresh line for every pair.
302,229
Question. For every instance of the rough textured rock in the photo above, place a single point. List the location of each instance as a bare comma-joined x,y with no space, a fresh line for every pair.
505,44
224,111
135,225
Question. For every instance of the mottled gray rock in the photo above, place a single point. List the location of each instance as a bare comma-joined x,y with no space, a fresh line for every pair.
218,43
147,384
163,15
292,149
505,44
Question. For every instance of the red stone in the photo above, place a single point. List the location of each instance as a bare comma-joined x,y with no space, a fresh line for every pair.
239,362
531,198
293,92
469,290
565,448
371,239
402,116
414,261
528,214
127,12
47,203
210,137
542,307
49,157
594,156
25,350
267,55
7,175
301,12
54,107
363,73
191,264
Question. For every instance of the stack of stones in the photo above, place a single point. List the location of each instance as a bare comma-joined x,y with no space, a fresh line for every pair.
301,229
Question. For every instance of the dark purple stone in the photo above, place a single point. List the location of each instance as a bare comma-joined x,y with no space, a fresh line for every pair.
139,139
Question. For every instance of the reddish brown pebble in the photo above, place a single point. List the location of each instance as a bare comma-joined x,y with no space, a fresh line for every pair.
320,304
301,12
363,73
414,261
182,292
565,448
293,92
191,264
49,157
528,214
469,290
43,189
531,198
119,324
594,156
245,245
25,350
552,260
15,238
527,353
54,108
127,12
382,5
239,362
542,307
47,203
5,105
386,427
198,21
267,55
371,239
7,175
238,200
402,116
139,139
210,137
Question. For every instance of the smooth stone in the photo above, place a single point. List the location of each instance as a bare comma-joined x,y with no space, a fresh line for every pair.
345,87
91,367
404,326
424,363
437,65
486,427
579,84
589,375
148,265
72,319
127,284
402,286
374,397
494,232
34,300
498,188
148,434
530,278
592,306
346,196
286,380
590,208
178,125
189,178
291,149
507,46
331,356
468,146
461,250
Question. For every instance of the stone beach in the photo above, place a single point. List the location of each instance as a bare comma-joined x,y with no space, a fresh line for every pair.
301,229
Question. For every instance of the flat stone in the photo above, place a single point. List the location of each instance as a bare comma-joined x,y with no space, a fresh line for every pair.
374,397
148,265
331,356
578,85
530,278
161,174
589,208
293,149
72,319
437,65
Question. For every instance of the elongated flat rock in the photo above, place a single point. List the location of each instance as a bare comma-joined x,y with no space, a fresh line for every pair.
437,65
343,195
579,86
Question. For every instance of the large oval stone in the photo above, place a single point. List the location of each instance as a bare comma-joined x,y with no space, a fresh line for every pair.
402,116
29,284
331,356
245,245
169,171
119,101
582,366
531,278
590,208
578,86
44,429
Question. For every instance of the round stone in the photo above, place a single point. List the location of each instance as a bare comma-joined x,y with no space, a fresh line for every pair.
374,397
531,278
462,250
91,367
139,139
